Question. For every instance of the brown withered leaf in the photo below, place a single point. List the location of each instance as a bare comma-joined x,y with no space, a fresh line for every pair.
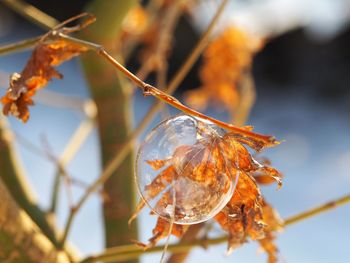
38,71
162,228
242,216
246,215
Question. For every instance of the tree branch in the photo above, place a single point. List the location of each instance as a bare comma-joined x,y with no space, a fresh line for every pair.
131,251
32,13
317,210
20,238
19,46
112,96
13,176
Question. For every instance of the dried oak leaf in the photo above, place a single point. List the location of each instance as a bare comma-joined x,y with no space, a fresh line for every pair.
38,71
246,215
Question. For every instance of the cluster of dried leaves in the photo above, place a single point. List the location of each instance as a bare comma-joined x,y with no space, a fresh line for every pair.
38,71
224,60
247,214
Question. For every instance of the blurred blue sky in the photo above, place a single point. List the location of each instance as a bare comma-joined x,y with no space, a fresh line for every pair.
314,157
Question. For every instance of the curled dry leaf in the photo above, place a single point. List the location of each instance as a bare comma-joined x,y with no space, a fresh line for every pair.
38,71
245,215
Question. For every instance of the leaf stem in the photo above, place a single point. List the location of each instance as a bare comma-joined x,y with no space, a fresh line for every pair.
121,253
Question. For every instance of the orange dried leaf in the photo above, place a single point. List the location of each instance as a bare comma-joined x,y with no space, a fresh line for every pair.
157,164
161,181
225,59
242,216
240,156
38,71
272,218
268,245
273,223
136,21
268,175
162,228
257,143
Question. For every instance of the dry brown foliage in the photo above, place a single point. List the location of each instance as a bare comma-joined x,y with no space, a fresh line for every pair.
246,215
38,71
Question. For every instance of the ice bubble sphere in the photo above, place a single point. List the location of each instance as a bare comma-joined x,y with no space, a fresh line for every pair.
181,171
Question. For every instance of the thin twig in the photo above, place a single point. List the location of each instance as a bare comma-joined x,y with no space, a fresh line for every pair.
46,21
54,193
19,46
149,90
32,13
61,172
77,140
317,210
165,39
247,98
152,11
126,252
125,148
158,55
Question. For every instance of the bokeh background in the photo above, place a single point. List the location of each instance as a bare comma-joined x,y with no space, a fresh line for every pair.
302,79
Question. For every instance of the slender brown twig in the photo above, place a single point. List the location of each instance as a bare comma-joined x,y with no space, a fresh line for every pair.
29,43
126,252
148,90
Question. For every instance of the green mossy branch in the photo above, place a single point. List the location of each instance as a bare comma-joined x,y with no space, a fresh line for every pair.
13,177
114,117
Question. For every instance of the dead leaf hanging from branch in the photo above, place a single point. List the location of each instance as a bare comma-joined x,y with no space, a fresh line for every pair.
49,52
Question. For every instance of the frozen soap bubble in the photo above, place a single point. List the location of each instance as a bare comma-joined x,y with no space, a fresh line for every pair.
181,171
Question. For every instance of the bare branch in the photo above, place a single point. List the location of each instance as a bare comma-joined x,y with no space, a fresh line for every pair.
132,251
